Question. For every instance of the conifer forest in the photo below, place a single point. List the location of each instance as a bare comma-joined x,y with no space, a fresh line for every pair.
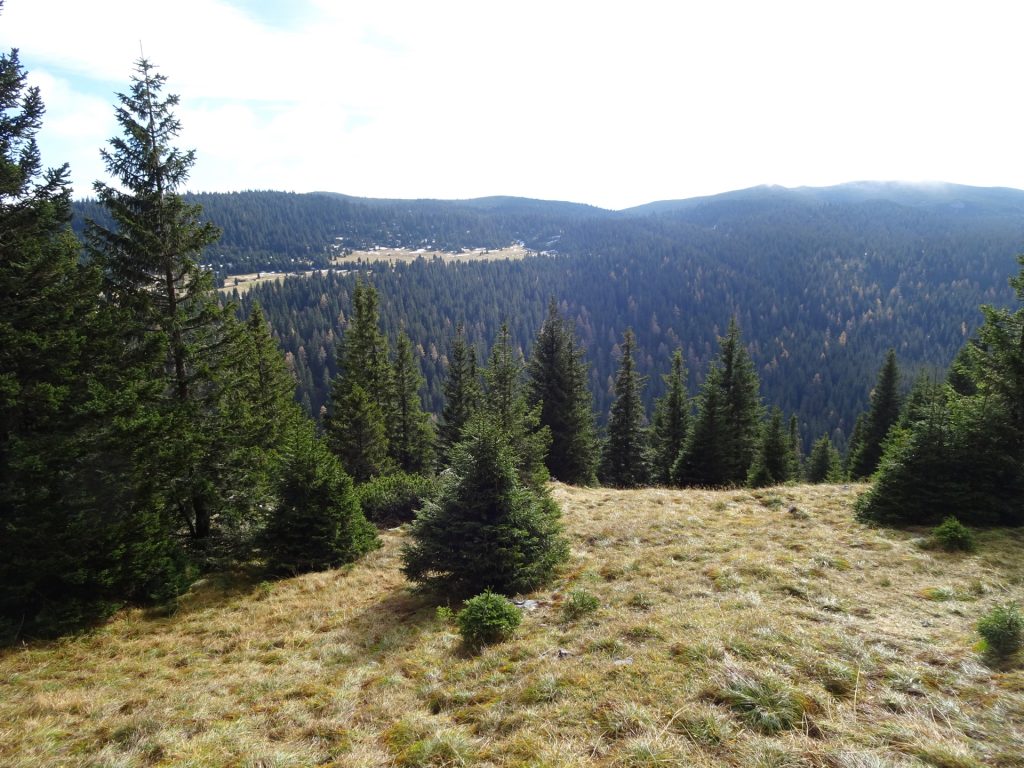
159,422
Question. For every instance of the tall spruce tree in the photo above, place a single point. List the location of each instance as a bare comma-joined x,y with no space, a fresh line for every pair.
461,393
505,405
700,463
411,439
741,407
670,423
362,399
881,416
721,445
150,259
772,461
558,384
623,459
824,464
80,527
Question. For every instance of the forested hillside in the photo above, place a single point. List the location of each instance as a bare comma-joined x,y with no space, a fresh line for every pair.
822,281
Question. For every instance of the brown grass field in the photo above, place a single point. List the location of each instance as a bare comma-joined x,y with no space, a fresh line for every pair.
732,628
242,283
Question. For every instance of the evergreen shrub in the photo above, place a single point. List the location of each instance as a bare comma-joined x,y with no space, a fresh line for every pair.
486,619
393,499
487,529
954,536
317,523
1003,630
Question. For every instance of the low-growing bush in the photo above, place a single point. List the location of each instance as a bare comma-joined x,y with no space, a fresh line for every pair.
953,536
579,603
486,619
1003,630
393,499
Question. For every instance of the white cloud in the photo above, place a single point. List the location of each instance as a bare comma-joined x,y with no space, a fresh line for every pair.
601,102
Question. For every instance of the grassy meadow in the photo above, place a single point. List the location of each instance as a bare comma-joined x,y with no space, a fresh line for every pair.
689,628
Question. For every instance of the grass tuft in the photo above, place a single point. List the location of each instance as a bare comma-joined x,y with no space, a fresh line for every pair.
766,704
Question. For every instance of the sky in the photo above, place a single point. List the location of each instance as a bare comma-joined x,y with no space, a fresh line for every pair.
613,104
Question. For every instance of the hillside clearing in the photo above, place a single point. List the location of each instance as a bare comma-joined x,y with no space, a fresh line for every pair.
739,628
243,282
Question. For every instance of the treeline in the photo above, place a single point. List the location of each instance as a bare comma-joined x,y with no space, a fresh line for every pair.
145,432
820,303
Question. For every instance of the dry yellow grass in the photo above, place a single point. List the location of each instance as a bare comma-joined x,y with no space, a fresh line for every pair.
866,637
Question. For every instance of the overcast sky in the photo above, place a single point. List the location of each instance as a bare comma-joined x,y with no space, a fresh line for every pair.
609,103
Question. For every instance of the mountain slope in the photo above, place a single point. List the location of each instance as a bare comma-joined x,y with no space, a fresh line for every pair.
732,628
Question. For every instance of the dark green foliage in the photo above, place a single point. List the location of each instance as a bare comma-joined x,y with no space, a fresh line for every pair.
720,447
700,462
741,407
505,406
82,528
866,452
357,434
960,449
773,460
393,499
557,376
995,358
824,464
954,536
149,252
487,619
812,328
1003,630
461,392
317,523
624,456
411,435
961,458
362,400
670,422
488,529
793,450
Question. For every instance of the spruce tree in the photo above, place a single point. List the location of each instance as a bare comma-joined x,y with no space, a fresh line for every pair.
411,440
623,459
316,523
362,399
741,407
721,445
558,384
461,393
150,259
824,465
488,529
357,435
670,423
772,461
881,416
700,463
81,529
795,457
505,406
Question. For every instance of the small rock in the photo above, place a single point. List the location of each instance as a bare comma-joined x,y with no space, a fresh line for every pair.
526,605
623,662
